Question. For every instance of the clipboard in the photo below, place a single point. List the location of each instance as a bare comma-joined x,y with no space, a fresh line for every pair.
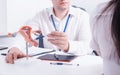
57,57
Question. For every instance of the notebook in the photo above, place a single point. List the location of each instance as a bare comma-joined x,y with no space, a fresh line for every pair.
57,57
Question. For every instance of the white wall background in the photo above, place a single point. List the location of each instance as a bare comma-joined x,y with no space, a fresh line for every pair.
89,5
3,17
19,11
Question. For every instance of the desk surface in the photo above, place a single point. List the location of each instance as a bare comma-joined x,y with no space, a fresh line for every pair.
88,65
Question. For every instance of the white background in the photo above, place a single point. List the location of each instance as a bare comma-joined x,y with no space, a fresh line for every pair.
19,11
3,18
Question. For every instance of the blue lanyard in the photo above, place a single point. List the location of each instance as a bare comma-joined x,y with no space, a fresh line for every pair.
65,24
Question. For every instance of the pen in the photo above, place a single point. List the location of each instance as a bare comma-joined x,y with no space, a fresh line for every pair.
95,53
43,53
60,63
3,48
4,54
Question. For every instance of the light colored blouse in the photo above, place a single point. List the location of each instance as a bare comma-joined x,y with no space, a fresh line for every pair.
102,41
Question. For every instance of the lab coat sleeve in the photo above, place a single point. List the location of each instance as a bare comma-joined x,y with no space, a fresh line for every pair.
19,41
82,45
35,22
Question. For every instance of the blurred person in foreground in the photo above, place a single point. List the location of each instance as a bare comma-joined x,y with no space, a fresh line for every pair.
106,36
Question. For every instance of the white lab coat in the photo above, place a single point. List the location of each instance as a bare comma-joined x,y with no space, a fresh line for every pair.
78,29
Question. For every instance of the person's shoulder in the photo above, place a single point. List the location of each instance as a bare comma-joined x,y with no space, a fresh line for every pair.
45,11
79,11
78,7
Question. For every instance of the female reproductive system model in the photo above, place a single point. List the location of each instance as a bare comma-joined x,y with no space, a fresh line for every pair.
26,32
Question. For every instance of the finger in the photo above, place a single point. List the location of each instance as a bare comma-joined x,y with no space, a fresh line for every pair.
12,59
56,33
15,56
57,38
61,38
9,58
57,42
23,55
52,38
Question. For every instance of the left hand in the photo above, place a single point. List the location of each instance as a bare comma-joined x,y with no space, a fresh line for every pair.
59,39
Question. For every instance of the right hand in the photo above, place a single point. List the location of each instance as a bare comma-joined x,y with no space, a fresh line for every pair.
13,54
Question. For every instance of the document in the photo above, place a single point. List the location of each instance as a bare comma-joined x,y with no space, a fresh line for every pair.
57,57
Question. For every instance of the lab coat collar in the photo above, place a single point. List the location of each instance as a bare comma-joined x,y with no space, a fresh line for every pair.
71,11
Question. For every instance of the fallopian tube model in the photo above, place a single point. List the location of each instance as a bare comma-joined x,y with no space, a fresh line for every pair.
26,32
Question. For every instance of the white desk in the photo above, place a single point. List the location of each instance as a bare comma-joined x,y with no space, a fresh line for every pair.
88,65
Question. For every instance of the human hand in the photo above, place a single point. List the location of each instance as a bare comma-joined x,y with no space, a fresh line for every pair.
59,39
13,54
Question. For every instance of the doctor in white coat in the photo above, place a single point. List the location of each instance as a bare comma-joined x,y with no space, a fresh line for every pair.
64,27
